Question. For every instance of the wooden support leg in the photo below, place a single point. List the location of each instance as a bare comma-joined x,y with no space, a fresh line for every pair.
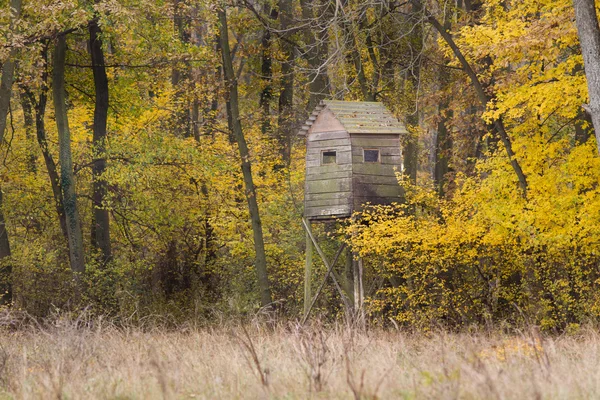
329,266
356,273
327,275
349,272
308,272
361,293
357,264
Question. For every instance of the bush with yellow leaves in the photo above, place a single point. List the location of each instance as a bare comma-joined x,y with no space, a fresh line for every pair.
489,254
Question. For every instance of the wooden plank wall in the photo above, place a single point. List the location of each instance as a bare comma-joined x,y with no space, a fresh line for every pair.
376,183
328,188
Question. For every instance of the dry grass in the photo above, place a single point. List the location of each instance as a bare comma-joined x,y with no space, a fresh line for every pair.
69,361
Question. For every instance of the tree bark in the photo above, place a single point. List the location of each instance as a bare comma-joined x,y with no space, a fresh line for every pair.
584,127
443,146
8,70
236,127
40,130
266,70
28,121
286,96
350,39
410,142
100,231
316,51
443,141
67,179
589,38
180,75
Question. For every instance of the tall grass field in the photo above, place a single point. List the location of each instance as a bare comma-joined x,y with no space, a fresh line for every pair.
76,359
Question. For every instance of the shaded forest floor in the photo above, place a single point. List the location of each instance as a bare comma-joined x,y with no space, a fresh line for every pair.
69,360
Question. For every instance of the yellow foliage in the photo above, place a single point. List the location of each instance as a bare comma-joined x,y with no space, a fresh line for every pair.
487,252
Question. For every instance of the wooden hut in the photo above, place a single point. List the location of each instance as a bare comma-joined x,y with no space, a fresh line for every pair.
352,153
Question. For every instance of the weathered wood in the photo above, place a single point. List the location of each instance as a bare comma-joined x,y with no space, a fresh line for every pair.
315,137
337,211
325,196
383,160
316,154
329,186
329,266
369,118
336,190
374,169
308,272
384,151
353,116
326,122
375,142
340,152
317,176
328,203
359,290
330,271
395,137
377,190
317,163
360,201
374,179
349,273
391,159
342,157
323,169
331,143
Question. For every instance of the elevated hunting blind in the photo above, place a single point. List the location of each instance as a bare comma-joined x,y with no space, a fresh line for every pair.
352,151
352,154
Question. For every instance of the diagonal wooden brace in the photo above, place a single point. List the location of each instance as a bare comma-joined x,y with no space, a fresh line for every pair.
328,274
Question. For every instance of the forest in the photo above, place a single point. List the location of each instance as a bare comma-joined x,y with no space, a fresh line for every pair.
152,191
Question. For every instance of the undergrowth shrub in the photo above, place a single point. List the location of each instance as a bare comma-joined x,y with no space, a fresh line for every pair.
487,253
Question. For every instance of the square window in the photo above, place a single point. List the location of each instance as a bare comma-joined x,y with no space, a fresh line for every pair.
371,155
329,157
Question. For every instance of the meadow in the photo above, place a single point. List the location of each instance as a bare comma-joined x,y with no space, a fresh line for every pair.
77,359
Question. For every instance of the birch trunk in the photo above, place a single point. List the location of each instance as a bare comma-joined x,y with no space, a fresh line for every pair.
67,180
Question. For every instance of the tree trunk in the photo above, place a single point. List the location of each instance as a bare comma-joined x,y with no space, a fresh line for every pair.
584,127
266,71
589,39
410,142
180,76
443,146
8,70
481,94
40,130
350,39
28,121
100,219
236,126
67,180
316,52
286,96
411,149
